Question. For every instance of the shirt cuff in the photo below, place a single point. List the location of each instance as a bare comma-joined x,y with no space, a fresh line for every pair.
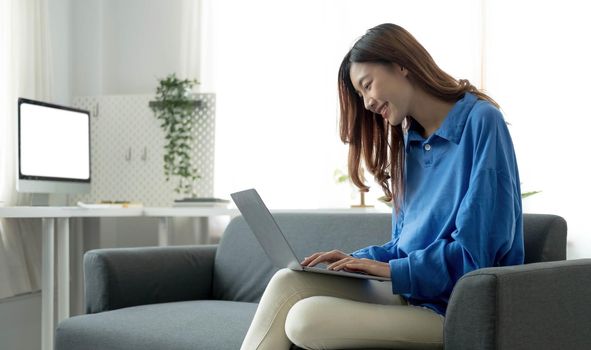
357,254
400,274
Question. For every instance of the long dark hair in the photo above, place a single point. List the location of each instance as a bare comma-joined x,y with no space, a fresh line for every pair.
369,136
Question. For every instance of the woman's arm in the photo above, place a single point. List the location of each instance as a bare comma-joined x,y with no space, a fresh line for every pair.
385,252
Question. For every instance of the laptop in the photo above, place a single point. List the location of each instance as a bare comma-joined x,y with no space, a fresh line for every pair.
273,241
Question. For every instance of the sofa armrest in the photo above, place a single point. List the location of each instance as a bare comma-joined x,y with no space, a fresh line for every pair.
533,306
122,277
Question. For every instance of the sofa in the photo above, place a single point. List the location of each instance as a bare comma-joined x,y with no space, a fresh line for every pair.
204,297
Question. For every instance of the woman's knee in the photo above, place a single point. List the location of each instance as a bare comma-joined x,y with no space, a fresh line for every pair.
283,276
305,319
283,281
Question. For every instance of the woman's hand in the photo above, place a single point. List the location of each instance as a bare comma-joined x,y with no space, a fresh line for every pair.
369,266
342,261
324,257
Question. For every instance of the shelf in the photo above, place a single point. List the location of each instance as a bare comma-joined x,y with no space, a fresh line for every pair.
195,103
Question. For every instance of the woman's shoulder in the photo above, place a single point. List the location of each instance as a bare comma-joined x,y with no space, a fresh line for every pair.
485,115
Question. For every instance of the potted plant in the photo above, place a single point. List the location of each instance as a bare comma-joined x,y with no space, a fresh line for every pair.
176,108
341,177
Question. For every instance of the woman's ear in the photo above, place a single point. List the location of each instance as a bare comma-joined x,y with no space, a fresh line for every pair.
400,69
403,70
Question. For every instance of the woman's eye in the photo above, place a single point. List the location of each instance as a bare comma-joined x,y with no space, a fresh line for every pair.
366,87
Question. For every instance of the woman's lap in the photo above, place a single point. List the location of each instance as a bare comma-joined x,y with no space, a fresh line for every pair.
324,322
367,305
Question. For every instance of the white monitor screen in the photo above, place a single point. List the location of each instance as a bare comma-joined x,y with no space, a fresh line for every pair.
54,142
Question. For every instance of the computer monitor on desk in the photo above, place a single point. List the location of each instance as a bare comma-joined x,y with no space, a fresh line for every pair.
53,150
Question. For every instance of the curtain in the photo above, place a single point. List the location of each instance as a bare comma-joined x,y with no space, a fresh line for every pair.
24,72
273,65
189,56
538,56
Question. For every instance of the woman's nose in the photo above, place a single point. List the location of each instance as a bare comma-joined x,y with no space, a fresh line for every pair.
370,104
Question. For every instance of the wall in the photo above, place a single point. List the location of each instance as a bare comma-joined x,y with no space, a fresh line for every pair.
123,47
87,47
60,24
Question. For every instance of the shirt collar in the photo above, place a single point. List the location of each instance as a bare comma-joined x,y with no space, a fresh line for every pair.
452,127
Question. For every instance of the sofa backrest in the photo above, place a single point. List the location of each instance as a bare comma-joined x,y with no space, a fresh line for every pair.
242,270
544,237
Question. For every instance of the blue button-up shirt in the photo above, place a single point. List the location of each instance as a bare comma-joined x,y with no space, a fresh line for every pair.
461,208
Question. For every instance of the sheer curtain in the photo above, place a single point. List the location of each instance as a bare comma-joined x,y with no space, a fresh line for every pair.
538,69
273,65
24,72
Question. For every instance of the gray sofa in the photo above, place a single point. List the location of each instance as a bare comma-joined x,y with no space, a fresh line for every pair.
204,297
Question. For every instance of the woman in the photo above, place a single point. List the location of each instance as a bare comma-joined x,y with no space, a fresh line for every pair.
442,154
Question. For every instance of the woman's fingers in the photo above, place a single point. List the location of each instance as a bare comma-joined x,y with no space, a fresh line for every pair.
310,258
338,265
369,266
323,257
340,261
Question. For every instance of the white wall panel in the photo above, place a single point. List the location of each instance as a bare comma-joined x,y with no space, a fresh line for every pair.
125,124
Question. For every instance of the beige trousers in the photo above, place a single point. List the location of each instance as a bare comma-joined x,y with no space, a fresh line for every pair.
318,311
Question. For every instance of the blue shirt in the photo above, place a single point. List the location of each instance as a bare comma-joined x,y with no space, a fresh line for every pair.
461,209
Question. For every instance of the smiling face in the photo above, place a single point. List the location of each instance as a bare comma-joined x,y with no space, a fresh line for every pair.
385,89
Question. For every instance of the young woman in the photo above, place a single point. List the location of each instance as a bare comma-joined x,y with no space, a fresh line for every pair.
442,153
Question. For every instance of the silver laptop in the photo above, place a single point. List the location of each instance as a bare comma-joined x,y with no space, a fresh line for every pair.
265,228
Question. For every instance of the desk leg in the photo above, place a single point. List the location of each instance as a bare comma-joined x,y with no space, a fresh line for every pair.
63,263
201,229
163,232
47,275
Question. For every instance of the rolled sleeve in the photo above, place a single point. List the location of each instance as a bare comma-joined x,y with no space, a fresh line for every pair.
400,275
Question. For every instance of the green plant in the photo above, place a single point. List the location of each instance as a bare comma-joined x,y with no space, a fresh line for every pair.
530,193
176,109
339,176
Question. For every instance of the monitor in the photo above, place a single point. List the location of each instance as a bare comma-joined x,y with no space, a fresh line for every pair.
53,149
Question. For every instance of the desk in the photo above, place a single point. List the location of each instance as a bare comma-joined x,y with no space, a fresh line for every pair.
201,217
200,226
61,215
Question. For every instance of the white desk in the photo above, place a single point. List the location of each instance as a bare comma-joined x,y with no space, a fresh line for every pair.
62,215
201,217
202,214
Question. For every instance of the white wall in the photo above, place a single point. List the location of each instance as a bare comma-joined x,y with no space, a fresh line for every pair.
87,47
124,47
60,25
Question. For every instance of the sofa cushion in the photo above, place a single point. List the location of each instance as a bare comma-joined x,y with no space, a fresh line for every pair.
242,269
203,324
